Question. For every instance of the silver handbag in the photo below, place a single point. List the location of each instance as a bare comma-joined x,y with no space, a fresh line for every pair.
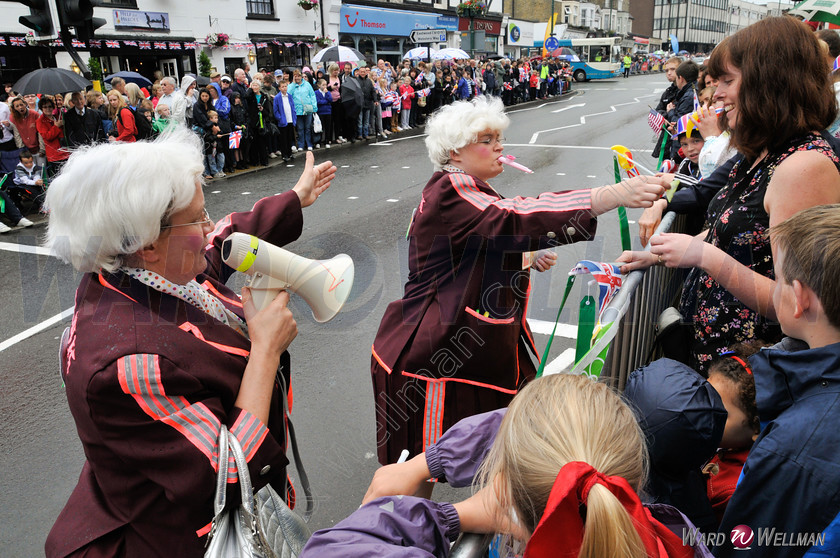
262,526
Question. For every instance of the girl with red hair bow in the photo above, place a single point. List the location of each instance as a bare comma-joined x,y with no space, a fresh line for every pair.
559,472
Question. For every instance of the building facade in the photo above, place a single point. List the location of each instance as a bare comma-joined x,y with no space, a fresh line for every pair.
698,25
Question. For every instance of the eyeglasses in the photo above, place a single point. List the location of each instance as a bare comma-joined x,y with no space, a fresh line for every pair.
207,220
492,141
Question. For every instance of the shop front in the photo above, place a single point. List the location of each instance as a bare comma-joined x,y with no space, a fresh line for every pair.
383,32
273,52
520,38
17,57
472,30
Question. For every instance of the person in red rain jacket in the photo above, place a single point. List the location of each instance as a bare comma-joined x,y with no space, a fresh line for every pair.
52,131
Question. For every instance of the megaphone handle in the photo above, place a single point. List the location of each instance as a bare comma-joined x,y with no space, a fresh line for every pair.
264,289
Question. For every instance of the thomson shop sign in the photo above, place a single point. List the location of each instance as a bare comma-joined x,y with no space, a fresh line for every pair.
363,20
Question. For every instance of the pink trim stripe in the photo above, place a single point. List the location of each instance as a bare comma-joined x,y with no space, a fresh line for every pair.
250,432
209,287
221,225
204,530
460,380
107,285
379,360
574,200
486,319
192,328
139,376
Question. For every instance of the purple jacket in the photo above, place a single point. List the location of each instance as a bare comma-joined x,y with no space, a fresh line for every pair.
409,527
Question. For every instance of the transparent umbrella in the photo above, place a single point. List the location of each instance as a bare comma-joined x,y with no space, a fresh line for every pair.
420,53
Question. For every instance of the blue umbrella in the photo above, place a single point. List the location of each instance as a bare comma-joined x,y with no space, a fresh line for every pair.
130,77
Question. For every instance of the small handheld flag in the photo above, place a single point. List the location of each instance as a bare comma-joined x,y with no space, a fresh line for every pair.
235,138
656,121
608,277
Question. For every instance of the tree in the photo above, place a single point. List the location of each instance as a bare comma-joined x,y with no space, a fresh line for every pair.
204,64
95,72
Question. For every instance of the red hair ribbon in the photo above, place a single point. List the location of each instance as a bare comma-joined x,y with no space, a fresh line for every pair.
560,530
741,361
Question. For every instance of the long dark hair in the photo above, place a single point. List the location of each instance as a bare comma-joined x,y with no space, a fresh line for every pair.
785,90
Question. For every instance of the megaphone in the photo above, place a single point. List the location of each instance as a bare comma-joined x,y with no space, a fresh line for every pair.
323,284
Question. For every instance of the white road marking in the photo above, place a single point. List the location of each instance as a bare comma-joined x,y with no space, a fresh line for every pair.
591,176
35,329
569,107
583,118
561,174
391,141
353,198
289,166
631,222
561,363
392,200
216,192
25,249
246,193
374,166
406,167
342,166
544,327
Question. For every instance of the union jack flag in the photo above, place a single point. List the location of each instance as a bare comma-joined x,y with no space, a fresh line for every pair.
418,80
696,102
289,44
836,63
191,46
130,43
174,46
95,44
76,44
17,41
235,138
656,121
145,45
309,45
2,41
507,86
112,44
160,45
684,125
262,45
608,277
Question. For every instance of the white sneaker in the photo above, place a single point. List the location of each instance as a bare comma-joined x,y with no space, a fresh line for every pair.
327,146
219,175
24,222
317,146
341,139
294,149
272,155
4,228
309,149
399,128
278,153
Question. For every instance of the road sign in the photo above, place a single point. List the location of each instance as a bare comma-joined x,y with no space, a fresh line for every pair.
421,36
552,43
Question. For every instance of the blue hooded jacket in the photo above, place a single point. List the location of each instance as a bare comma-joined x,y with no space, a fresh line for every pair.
791,480
683,418
222,104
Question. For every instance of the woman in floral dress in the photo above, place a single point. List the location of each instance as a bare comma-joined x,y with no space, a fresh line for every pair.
775,111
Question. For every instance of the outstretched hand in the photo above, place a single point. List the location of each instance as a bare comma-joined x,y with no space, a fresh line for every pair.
638,192
314,180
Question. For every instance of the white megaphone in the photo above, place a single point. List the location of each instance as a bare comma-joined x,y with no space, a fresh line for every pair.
323,284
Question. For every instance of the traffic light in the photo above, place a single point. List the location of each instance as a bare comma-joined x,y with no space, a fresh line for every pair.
42,19
79,15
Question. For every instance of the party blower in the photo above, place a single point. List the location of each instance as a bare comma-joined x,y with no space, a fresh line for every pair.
323,284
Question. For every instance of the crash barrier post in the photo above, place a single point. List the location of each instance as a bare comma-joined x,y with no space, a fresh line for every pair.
643,296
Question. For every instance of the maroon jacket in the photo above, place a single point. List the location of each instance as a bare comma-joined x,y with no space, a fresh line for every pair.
150,379
459,331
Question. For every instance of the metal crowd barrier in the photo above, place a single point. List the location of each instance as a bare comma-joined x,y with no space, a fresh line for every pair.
643,296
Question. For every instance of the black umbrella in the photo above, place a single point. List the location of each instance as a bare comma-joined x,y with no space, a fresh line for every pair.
352,97
130,77
49,81
202,81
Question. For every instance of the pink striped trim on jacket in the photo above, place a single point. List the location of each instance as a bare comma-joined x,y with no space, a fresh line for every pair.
575,200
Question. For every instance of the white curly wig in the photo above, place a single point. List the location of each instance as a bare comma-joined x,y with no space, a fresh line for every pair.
457,125
110,200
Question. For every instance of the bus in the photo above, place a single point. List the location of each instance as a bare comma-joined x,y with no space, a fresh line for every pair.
595,58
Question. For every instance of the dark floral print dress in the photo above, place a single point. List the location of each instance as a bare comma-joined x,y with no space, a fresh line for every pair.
738,224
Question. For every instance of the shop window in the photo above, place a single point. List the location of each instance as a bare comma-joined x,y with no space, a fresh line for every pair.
260,8
387,44
231,64
347,40
366,48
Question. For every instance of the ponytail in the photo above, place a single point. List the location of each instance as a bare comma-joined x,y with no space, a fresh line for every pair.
609,529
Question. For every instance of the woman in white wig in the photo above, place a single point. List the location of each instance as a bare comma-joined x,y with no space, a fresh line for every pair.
161,353
457,343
